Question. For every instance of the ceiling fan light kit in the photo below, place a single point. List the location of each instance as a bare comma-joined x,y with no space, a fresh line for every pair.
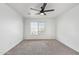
42,14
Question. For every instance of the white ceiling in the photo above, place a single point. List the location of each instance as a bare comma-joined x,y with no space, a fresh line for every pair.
24,8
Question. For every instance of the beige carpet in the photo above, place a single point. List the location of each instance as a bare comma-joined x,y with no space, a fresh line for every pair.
41,47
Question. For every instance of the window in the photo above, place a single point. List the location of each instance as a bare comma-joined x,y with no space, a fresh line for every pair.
37,28
41,27
34,28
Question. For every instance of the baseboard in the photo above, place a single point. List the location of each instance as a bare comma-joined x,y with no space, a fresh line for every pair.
38,39
3,52
67,46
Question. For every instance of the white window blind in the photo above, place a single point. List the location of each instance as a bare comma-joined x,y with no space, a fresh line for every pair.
37,28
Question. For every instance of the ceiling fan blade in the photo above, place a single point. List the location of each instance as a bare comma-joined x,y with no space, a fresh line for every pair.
44,13
48,10
34,9
43,7
37,13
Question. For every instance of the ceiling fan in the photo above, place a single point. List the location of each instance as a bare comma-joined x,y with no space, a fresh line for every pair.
42,11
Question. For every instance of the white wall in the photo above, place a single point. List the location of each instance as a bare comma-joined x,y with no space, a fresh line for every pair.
11,28
50,28
68,28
